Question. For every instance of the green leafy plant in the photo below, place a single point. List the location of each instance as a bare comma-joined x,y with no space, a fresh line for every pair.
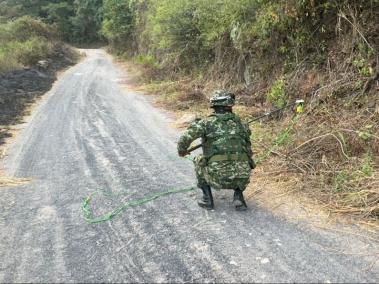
367,165
147,60
363,67
277,94
340,180
365,133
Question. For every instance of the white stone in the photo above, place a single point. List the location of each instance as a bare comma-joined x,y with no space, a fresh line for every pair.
232,262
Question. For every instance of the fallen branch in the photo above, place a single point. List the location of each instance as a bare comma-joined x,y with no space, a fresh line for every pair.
342,15
320,137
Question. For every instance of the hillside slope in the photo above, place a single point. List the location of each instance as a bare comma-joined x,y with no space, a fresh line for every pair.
272,53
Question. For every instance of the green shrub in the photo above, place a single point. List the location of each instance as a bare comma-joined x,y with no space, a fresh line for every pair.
7,62
24,42
340,180
118,22
363,67
367,165
147,60
277,94
26,27
32,50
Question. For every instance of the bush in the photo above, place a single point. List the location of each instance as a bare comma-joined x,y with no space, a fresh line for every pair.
118,23
8,63
32,50
233,38
26,27
26,41
147,61
277,94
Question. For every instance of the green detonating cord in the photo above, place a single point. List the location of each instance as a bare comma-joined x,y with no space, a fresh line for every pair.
91,219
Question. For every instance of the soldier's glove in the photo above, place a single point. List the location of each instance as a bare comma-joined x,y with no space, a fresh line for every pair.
183,153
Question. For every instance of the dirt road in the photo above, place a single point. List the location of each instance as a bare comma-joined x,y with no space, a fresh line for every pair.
89,137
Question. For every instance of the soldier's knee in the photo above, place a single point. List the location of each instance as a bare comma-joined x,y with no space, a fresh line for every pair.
201,181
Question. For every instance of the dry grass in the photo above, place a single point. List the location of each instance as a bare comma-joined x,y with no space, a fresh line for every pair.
6,181
288,194
329,157
337,154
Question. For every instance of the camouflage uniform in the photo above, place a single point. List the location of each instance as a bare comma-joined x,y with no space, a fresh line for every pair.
227,161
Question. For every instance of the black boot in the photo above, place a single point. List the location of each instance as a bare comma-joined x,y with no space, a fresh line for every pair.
207,200
239,201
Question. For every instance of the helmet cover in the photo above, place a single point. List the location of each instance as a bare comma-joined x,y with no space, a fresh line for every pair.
222,98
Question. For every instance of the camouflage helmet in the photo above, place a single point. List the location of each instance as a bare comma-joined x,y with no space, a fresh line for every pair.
222,98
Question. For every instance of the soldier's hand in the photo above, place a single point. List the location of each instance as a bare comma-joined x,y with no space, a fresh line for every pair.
183,153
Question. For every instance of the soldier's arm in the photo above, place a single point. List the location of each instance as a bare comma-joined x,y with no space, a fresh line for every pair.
193,132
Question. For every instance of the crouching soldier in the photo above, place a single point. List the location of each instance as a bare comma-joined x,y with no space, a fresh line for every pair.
227,161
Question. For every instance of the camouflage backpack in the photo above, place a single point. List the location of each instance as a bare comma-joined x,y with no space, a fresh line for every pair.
226,138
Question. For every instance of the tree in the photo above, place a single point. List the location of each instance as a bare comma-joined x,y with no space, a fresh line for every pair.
60,14
9,11
87,20
119,19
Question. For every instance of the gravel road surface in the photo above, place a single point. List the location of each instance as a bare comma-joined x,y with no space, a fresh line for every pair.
88,136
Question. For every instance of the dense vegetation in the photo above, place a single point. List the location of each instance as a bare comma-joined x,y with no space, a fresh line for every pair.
24,42
233,35
270,53
31,30
77,21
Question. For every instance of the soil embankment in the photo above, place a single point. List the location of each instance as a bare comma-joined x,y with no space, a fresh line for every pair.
20,88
